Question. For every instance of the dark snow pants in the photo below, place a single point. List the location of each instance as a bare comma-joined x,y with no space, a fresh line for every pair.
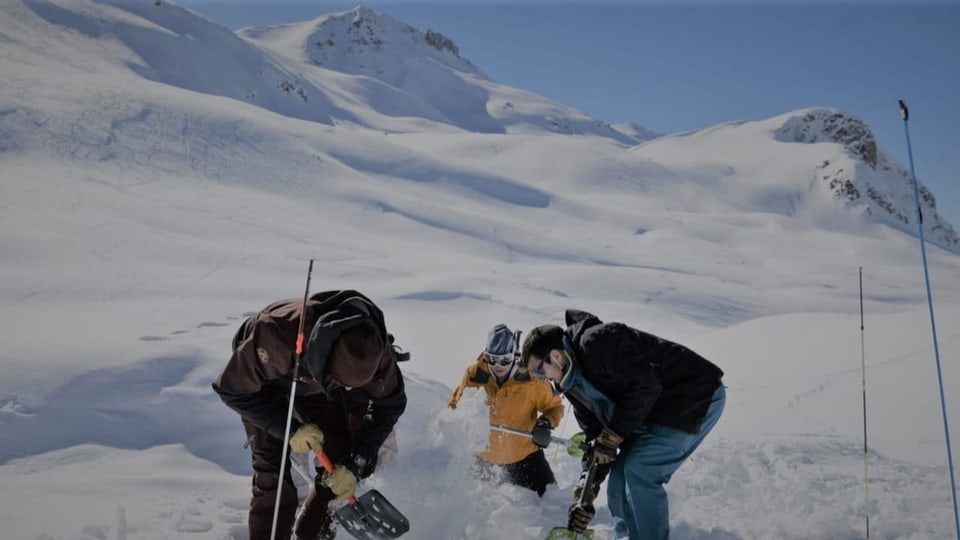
532,472
315,522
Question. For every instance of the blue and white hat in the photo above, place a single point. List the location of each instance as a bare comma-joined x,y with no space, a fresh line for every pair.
501,345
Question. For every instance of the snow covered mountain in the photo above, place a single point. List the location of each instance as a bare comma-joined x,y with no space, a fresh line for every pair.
863,177
365,69
425,66
816,164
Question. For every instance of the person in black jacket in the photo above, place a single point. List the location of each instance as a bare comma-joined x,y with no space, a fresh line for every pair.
349,395
644,402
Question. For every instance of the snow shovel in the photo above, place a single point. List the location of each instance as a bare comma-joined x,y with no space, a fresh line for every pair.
586,496
576,446
369,517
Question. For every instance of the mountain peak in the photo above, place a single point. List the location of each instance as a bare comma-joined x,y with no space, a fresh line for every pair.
400,71
366,19
865,178
362,41
830,125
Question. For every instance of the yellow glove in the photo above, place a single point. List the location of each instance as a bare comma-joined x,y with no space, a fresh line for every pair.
307,437
341,482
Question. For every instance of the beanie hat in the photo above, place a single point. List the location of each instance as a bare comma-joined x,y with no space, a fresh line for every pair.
501,341
540,341
356,355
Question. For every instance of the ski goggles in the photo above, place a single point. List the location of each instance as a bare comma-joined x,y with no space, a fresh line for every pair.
498,359
538,371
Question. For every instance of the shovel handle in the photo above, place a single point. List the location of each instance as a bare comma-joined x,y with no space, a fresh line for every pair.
324,460
569,443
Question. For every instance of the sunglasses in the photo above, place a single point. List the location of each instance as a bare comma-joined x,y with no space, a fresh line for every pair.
498,359
538,371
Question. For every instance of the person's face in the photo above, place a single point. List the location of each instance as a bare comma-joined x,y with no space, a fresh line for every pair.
500,370
546,368
499,364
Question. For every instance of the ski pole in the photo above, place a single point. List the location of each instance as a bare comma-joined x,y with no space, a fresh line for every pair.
293,393
571,444
905,114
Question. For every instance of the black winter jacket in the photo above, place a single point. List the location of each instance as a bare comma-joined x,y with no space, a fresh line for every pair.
649,379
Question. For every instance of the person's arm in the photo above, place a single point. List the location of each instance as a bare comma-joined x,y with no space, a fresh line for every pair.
386,399
471,379
549,405
244,383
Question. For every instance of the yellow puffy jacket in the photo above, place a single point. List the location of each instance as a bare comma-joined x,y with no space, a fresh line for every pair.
516,404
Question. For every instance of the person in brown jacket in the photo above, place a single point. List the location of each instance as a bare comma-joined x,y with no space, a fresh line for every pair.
518,401
349,395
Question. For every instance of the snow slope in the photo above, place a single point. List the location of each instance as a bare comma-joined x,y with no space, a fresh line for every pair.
149,204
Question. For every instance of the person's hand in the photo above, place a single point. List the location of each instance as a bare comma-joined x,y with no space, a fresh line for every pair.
341,482
542,432
605,446
580,516
307,437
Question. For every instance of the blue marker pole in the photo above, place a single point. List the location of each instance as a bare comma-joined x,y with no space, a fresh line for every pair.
905,114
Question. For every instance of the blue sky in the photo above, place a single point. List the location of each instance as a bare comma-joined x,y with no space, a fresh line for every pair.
674,68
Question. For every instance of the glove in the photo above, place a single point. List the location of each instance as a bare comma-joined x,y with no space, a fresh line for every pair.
307,437
541,432
580,516
605,446
341,482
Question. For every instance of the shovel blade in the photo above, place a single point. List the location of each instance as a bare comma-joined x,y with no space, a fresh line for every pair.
563,533
372,517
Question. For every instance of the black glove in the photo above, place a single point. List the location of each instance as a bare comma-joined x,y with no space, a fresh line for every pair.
580,517
605,446
541,432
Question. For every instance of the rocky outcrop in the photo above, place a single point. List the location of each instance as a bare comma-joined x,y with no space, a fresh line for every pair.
864,177
825,125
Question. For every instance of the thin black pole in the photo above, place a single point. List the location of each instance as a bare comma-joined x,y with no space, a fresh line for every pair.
293,393
863,374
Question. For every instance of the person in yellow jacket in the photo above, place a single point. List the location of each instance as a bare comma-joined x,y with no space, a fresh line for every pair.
518,401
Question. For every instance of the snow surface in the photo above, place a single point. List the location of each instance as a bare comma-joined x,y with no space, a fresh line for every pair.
158,183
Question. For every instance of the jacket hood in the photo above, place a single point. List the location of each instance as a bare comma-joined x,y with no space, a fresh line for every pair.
579,322
356,355
340,312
